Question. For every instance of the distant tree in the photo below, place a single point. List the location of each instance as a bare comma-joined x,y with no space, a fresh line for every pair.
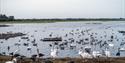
11,17
3,17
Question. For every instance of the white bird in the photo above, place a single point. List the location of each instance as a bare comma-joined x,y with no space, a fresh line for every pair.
13,61
17,51
122,49
73,44
111,45
54,52
9,62
84,54
96,54
107,53
80,51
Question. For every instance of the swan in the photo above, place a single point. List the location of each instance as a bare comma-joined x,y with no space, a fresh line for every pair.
96,54
84,54
54,52
111,45
122,49
107,53
13,61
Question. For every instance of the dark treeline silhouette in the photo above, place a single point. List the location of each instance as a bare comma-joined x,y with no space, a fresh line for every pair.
11,18
74,19
3,17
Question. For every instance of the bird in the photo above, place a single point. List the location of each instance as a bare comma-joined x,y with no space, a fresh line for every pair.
118,53
29,48
111,45
72,46
122,49
80,51
96,54
54,52
41,55
16,51
33,57
107,53
8,48
14,60
14,57
84,54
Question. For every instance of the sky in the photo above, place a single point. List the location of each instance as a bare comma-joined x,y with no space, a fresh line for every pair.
63,8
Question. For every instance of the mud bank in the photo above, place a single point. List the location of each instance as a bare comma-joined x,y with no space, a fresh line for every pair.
3,59
10,35
4,25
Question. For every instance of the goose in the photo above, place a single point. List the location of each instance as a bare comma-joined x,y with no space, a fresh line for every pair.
118,53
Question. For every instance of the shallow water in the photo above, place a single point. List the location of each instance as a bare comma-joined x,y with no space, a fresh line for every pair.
60,29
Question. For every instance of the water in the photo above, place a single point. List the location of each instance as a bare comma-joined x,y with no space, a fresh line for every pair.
60,29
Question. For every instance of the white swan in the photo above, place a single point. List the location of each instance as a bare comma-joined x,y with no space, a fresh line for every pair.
13,61
107,53
122,49
96,54
84,54
54,53
111,45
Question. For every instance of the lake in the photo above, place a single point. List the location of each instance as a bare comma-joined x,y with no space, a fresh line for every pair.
103,34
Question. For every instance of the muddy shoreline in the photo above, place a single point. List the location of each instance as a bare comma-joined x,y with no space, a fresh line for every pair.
1,25
10,35
3,59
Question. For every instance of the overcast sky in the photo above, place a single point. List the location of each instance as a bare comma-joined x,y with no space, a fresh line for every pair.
64,8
